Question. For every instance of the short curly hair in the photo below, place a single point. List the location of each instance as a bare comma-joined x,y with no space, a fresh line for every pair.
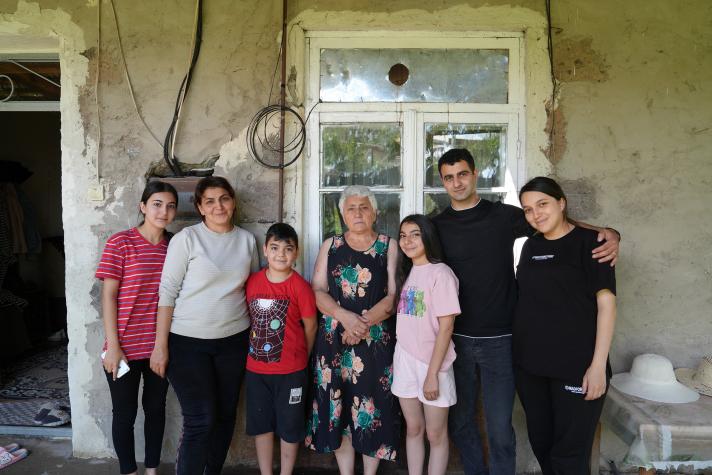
357,190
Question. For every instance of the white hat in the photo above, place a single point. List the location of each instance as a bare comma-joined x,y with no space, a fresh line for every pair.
700,380
652,377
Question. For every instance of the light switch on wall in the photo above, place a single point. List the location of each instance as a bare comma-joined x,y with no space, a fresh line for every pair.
96,192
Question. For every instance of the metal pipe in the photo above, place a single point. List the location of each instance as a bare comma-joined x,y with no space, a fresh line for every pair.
282,102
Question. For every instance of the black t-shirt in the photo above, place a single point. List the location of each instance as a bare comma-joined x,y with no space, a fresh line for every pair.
555,321
477,244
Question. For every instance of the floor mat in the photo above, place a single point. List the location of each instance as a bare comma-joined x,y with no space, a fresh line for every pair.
20,412
40,376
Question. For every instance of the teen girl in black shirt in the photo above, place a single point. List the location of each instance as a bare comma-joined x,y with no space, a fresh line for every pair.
562,332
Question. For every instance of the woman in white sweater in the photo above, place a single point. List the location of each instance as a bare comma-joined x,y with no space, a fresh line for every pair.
203,325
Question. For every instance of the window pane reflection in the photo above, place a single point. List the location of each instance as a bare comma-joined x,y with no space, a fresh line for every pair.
26,86
487,144
387,221
436,75
361,154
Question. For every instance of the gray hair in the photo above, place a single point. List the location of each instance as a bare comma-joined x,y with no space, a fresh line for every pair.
357,190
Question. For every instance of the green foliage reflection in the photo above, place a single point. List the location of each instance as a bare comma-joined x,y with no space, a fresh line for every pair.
484,142
361,154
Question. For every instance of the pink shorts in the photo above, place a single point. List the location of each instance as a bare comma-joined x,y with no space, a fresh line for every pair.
409,376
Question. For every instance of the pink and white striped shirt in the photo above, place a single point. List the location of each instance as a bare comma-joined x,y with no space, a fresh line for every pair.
137,264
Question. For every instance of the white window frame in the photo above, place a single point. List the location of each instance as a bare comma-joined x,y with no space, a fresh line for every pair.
411,115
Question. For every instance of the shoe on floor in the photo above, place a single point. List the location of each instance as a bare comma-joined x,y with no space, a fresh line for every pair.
10,447
43,412
52,414
9,458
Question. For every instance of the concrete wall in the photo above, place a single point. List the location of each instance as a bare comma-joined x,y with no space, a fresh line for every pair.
638,141
632,141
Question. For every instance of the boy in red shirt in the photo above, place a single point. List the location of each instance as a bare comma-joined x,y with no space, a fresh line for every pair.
283,327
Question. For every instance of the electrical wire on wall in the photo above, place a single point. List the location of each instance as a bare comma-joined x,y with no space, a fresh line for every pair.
96,90
554,84
169,142
264,140
12,87
127,75
267,139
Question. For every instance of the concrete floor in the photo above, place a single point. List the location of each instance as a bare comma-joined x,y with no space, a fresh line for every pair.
54,457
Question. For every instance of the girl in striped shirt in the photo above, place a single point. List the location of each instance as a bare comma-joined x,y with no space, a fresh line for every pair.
131,267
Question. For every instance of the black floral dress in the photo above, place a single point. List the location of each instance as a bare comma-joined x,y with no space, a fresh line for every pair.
352,384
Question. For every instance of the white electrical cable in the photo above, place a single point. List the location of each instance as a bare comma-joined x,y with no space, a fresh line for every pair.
128,76
33,72
12,88
96,89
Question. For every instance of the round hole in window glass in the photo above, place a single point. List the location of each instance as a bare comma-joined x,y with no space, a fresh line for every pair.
398,74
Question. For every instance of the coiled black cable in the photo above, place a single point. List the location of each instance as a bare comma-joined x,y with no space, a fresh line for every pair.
259,138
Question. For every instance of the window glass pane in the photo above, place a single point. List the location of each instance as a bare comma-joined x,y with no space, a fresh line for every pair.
487,144
387,221
26,86
436,202
361,154
433,75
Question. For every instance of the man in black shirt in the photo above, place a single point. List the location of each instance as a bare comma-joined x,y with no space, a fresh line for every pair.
478,238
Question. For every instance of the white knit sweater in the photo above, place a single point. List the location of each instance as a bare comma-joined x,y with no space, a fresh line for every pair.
204,280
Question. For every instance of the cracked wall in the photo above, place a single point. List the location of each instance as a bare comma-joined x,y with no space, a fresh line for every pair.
632,134
633,84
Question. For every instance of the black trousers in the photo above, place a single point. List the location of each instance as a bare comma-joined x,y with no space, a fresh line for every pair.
124,401
206,376
560,423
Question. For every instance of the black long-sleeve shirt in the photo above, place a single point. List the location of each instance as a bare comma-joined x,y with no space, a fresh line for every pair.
478,246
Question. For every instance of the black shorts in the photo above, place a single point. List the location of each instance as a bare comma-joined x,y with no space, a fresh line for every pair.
275,403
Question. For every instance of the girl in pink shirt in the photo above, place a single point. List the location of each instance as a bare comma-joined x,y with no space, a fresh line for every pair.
423,377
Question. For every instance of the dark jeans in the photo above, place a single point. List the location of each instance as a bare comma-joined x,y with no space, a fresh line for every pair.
560,423
206,376
485,363
124,401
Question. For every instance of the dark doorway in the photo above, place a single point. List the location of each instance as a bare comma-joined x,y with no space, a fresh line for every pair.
33,355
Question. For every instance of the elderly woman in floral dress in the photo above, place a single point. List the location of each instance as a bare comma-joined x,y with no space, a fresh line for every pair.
353,409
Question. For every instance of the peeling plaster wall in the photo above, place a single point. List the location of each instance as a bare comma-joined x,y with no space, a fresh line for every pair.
78,159
633,137
238,53
639,135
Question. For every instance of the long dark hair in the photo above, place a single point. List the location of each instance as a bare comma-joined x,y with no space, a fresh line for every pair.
548,186
156,186
431,242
